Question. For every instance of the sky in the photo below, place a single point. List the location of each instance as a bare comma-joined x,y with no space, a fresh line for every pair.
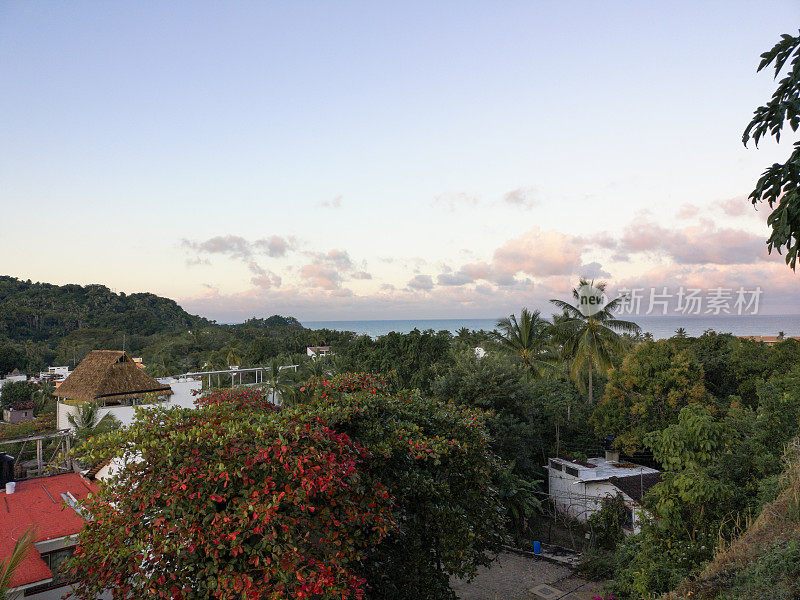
375,160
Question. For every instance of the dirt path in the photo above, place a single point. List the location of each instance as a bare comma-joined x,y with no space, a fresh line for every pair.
513,577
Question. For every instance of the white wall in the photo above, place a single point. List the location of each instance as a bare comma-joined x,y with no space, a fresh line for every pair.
580,500
181,398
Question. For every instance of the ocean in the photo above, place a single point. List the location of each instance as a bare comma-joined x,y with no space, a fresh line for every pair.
659,326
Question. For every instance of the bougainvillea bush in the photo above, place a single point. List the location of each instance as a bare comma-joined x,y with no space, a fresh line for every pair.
434,459
238,399
214,503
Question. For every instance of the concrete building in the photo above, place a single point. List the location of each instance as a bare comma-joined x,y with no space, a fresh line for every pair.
19,412
48,506
578,488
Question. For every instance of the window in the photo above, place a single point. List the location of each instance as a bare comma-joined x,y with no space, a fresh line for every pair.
572,471
628,518
56,561
555,465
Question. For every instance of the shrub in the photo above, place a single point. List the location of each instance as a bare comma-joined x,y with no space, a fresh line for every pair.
214,506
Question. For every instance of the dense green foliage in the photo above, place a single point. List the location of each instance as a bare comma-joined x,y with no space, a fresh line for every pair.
435,460
721,456
16,392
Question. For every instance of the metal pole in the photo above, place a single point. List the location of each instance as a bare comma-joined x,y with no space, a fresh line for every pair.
39,459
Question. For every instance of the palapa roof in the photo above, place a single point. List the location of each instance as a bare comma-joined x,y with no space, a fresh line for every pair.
109,375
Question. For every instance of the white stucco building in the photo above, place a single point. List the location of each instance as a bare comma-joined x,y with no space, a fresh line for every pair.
113,381
577,488
182,397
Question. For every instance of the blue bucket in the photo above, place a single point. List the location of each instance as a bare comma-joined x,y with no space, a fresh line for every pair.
537,547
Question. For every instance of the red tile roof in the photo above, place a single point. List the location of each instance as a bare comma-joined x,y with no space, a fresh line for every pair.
37,504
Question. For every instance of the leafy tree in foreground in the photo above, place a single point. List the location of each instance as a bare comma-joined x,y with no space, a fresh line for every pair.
16,392
434,459
214,503
779,185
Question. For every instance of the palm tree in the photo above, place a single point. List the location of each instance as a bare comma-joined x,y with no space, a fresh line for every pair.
322,367
10,565
591,341
233,355
527,338
680,332
277,383
88,422
464,335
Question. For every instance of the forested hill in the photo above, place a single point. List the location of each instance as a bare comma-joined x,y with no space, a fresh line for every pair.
42,311
42,323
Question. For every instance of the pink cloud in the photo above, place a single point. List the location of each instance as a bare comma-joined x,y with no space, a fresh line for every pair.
687,211
701,244
539,254
736,207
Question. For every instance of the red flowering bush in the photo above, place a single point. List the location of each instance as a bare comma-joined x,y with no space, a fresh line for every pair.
434,459
249,399
210,506
350,382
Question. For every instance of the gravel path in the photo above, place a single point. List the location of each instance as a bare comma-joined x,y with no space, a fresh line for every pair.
512,576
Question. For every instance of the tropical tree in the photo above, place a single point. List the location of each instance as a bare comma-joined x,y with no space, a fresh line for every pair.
647,392
278,383
16,392
592,341
779,185
9,567
233,356
528,339
88,422
434,459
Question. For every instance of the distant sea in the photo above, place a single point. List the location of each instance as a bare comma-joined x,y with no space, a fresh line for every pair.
659,326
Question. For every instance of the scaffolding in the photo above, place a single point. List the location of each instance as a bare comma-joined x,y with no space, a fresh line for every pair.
40,455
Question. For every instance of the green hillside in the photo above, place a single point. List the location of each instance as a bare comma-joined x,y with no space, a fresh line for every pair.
43,324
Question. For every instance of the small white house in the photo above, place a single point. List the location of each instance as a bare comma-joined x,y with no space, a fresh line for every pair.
578,488
316,352
15,375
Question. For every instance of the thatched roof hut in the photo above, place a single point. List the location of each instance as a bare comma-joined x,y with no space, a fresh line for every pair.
109,376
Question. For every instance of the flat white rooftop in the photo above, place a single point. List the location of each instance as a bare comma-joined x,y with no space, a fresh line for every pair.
598,469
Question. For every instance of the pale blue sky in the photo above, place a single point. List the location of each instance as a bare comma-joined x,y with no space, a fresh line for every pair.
131,133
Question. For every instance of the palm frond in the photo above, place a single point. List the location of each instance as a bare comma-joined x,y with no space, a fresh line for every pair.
10,565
